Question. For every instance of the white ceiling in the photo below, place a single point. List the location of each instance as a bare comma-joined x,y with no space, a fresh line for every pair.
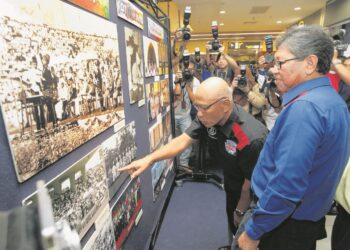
240,16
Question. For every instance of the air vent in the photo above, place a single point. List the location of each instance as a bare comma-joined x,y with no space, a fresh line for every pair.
259,9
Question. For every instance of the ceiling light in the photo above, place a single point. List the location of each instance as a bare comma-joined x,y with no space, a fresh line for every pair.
279,21
297,8
221,24
222,12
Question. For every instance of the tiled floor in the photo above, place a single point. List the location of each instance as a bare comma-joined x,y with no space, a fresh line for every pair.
325,244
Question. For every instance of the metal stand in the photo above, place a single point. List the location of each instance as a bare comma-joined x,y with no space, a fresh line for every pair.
200,173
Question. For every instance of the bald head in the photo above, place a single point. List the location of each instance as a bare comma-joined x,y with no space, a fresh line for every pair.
214,88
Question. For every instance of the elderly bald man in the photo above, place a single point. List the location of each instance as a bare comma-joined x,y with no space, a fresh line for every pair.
236,135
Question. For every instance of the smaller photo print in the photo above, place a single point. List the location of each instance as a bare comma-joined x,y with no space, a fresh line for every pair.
165,94
151,58
126,212
103,237
158,178
118,151
166,124
163,59
154,100
155,136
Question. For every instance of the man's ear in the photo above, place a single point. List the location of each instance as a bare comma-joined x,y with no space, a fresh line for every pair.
227,105
311,64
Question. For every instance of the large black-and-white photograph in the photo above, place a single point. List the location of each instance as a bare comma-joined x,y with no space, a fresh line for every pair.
126,212
118,151
134,60
103,237
60,82
79,194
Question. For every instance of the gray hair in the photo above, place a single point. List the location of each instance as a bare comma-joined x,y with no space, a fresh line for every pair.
309,40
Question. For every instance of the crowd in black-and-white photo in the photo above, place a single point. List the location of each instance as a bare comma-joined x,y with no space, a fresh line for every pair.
124,210
51,77
119,151
105,238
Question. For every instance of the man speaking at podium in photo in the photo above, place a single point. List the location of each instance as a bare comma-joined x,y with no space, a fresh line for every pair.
238,138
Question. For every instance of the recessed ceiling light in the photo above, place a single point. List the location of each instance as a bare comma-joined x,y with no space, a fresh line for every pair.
222,12
297,8
221,24
279,21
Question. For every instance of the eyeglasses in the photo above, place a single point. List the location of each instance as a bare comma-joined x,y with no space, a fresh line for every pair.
279,64
205,108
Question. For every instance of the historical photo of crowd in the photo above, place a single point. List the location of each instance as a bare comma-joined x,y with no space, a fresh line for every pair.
58,88
151,60
155,136
134,64
79,194
126,211
163,59
118,151
158,177
103,237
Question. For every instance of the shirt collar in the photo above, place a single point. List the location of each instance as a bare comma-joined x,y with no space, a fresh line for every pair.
226,129
305,87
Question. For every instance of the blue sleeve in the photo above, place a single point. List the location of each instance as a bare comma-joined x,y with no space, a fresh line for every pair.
296,137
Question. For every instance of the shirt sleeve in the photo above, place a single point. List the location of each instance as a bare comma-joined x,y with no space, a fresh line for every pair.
297,135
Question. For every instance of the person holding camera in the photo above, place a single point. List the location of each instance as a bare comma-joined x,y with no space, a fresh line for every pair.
238,138
300,165
220,64
268,88
246,93
184,89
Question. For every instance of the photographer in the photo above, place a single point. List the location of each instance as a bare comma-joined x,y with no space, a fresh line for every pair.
246,93
185,86
220,64
268,88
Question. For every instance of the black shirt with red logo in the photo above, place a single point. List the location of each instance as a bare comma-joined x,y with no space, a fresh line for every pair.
235,145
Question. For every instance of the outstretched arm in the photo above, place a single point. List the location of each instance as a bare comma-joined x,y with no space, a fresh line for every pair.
170,150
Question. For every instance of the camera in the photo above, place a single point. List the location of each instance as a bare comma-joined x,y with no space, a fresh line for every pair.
197,59
270,78
186,32
269,49
338,41
215,44
242,81
186,73
253,69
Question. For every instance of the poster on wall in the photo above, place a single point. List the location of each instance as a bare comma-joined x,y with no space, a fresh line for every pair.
129,12
126,212
133,40
166,124
155,31
103,237
151,58
118,151
158,178
79,194
60,82
153,93
99,7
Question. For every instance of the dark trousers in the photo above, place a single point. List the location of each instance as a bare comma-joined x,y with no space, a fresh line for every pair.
341,230
294,234
232,199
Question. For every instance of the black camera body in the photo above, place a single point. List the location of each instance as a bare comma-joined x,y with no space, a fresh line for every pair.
338,41
186,32
197,59
242,81
270,78
269,48
253,68
215,43
186,72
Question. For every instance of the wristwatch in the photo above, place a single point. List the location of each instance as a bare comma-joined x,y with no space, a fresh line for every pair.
239,212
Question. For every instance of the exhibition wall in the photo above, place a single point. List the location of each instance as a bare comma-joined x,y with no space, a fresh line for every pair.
84,90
